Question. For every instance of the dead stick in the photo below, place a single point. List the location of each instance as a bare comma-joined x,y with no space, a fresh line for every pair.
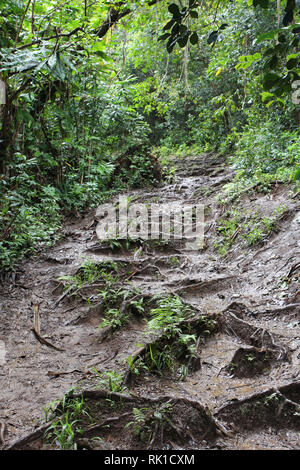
44,341
36,313
52,373
2,431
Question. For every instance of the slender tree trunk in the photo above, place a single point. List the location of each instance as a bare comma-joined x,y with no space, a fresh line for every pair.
6,134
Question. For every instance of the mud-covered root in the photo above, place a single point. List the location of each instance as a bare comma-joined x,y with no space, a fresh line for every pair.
251,361
88,279
277,408
178,352
161,356
109,420
258,337
137,422
30,440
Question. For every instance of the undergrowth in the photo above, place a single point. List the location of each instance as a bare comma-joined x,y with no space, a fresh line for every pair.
174,330
73,413
250,227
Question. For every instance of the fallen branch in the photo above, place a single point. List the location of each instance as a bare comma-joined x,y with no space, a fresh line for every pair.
52,373
44,341
36,317
36,328
292,269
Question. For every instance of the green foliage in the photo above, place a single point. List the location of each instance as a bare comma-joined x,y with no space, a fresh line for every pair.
266,151
62,432
136,367
168,315
29,214
159,358
175,344
114,319
110,380
147,420
90,272
182,29
105,273
249,226
85,105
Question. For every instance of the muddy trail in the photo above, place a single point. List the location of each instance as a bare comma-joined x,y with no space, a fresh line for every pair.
195,350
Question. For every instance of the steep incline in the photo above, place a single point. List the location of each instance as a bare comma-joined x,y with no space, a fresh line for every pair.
235,385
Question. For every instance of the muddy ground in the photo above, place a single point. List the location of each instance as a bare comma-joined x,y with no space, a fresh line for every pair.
238,389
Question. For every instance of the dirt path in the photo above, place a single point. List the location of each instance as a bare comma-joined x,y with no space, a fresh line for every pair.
240,391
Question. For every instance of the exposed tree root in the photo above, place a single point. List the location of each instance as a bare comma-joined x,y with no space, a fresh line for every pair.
24,441
105,422
257,396
258,337
193,284
214,424
194,361
248,362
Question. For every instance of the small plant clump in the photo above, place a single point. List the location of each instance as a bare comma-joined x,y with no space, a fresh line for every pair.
128,302
63,430
249,227
147,422
110,380
88,274
175,328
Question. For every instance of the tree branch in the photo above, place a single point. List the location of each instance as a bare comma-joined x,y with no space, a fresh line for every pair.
112,18
21,24
55,36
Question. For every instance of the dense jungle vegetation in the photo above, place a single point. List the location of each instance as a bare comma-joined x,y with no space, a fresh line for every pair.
97,92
